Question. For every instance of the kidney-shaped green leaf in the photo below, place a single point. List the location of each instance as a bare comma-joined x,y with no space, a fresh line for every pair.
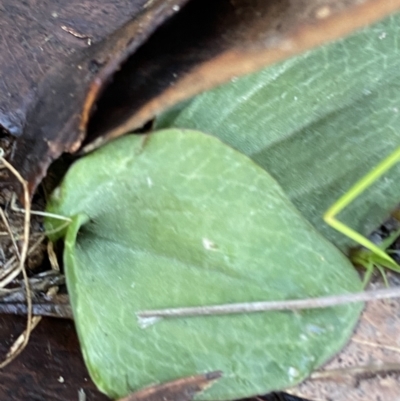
178,218
317,123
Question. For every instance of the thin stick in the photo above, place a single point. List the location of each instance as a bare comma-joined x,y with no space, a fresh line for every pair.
251,307
24,252
49,309
39,284
355,371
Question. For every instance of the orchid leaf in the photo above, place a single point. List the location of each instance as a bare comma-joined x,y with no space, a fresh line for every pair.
317,123
177,218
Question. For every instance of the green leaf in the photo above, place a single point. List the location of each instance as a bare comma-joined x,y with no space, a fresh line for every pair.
317,123
178,218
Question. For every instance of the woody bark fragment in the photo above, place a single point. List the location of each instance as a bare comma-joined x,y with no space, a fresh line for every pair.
166,53
54,112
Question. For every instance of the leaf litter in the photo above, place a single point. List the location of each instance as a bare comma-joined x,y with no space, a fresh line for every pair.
368,368
22,246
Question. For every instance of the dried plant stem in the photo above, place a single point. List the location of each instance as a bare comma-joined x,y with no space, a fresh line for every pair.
15,208
9,272
39,284
10,233
251,307
19,343
375,345
14,352
51,292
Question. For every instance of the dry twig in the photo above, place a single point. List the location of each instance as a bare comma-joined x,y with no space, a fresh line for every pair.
251,307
